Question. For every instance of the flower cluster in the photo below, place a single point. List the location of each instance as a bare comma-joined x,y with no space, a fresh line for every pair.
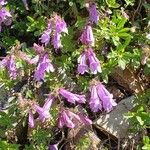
56,26
88,60
101,98
5,16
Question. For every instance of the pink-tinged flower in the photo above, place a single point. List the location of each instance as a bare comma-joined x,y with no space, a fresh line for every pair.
31,119
44,65
106,97
56,40
94,63
53,147
60,25
25,4
85,119
45,38
95,102
44,111
82,66
72,98
93,13
38,49
66,118
87,37
2,2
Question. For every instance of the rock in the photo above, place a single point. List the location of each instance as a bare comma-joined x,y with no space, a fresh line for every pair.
115,123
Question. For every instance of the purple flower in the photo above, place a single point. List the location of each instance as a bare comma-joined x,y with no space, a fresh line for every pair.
45,38
38,49
53,147
93,62
106,97
85,119
2,2
87,37
31,119
72,98
95,103
44,111
82,66
66,119
56,41
93,13
44,65
88,61
60,25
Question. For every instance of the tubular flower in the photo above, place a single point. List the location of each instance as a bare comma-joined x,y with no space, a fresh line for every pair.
94,63
87,37
56,25
95,102
44,65
66,119
106,97
88,61
31,119
44,111
85,119
93,13
72,98
53,147
4,17
9,63
2,2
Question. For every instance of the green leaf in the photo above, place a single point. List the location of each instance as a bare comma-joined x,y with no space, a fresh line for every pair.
139,119
112,3
122,63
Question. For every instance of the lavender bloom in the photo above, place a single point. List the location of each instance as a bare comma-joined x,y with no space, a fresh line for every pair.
44,65
93,13
82,66
56,41
53,147
45,38
66,119
85,119
106,97
44,111
93,62
72,98
2,2
95,103
87,37
38,49
31,119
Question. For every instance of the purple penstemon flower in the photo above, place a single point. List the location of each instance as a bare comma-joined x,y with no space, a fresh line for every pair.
87,37
95,102
44,111
106,97
44,66
94,63
2,2
85,119
93,13
31,119
82,63
72,98
66,118
56,40
53,147
45,38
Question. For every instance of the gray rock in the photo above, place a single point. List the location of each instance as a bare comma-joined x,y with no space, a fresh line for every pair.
115,123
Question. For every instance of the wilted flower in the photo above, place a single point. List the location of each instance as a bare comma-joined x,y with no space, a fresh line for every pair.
85,119
44,65
95,102
87,37
38,49
88,61
66,118
93,13
53,147
106,97
72,98
25,4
